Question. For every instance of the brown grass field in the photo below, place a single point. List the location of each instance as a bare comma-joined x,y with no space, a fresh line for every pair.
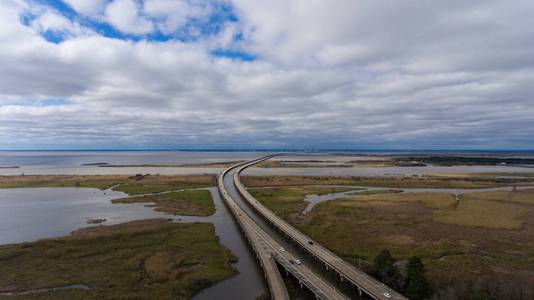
386,181
481,245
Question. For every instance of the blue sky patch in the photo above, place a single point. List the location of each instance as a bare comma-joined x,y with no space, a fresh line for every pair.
38,102
194,29
52,102
54,36
234,54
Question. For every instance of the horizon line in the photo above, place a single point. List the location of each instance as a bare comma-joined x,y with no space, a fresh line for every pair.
267,150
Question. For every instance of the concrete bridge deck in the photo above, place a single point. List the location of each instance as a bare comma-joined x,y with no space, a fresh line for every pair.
269,252
347,272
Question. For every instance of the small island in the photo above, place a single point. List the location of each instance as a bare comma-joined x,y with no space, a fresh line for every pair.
96,221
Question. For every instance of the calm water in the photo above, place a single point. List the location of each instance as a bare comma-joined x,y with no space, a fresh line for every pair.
77,158
71,163
248,283
29,214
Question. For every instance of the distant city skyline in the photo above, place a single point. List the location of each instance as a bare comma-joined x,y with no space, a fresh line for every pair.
237,74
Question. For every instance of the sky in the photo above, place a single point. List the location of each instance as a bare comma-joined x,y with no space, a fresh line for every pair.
277,74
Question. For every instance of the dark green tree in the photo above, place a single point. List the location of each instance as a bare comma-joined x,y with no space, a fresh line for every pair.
386,270
417,287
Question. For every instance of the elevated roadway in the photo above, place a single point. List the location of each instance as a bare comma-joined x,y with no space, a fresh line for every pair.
270,252
348,273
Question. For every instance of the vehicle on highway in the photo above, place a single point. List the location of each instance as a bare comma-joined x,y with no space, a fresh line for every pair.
298,261
387,295
310,242
282,249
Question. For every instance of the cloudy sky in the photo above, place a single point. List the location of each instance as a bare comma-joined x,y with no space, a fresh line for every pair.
161,74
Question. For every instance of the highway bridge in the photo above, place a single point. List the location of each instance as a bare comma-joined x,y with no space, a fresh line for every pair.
270,253
346,272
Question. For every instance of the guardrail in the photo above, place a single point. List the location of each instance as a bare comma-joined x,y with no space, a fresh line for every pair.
270,269
363,282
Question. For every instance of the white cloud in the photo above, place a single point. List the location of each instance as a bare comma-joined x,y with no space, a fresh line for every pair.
329,73
90,8
173,14
125,16
50,20
342,54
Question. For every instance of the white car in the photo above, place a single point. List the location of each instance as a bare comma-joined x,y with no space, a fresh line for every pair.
387,295
283,249
298,261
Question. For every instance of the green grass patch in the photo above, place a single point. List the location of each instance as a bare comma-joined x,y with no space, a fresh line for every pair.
132,185
99,182
151,184
189,202
151,259
139,188
286,201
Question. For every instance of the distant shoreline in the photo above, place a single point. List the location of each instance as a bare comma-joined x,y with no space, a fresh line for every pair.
302,151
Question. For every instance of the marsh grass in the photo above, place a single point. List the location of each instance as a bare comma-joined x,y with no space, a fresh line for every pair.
157,184
99,181
131,185
472,211
430,200
519,196
484,236
385,181
188,202
151,259
287,201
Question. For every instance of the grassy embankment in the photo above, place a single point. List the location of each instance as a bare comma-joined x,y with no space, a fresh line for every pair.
299,164
132,185
190,202
368,163
99,181
484,241
222,164
455,160
151,259
290,201
386,181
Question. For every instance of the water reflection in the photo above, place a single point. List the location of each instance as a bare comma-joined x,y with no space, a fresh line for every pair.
28,214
